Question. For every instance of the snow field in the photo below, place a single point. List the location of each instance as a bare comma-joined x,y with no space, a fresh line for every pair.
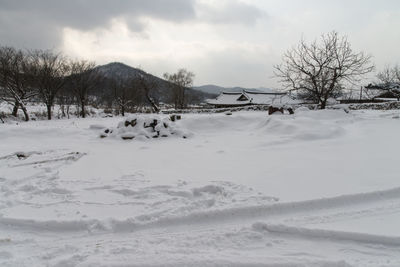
245,190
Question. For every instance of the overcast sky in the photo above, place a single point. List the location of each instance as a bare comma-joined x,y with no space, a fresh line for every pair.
224,42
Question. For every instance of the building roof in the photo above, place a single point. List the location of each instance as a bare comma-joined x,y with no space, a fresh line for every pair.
254,98
225,99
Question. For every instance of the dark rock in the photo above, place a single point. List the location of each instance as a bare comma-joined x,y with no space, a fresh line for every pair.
175,117
152,124
272,110
131,123
127,137
21,156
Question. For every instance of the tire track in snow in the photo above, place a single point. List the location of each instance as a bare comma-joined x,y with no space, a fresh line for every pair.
327,234
227,263
260,211
206,217
73,156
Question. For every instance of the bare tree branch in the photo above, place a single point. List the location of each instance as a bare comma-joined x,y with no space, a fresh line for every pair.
84,78
15,79
50,70
180,81
318,70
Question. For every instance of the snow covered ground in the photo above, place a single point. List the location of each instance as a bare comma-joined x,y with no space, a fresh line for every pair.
320,188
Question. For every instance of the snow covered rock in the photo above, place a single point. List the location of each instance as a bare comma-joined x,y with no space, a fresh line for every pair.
141,126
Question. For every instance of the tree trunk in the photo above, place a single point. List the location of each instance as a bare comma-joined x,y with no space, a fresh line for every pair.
83,109
62,107
48,112
176,102
183,99
323,104
123,110
153,104
15,109
25,112
68,111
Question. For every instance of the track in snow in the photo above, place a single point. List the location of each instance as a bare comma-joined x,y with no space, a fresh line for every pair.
277,211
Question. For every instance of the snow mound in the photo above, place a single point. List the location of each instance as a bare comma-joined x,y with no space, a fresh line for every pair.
306,125
301,109
209,189
146,127
326,114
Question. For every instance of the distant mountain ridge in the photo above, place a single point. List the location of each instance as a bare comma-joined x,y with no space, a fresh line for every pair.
118,70
121,71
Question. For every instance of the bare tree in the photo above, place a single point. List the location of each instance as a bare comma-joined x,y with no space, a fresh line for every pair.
319,70
50,70
180,81
390,79
147,87
84,77
15,79
124,94
65,99
133,92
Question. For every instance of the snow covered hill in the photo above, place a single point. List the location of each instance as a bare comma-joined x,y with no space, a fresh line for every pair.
319,188
120,71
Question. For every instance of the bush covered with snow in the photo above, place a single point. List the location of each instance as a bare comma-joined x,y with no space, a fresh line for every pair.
145,127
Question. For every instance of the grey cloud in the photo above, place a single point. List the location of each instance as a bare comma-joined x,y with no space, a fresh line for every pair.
22,31
88,14
40,22
230,12
235,67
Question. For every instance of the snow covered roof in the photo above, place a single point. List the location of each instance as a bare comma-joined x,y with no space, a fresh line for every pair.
229,99
254,98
